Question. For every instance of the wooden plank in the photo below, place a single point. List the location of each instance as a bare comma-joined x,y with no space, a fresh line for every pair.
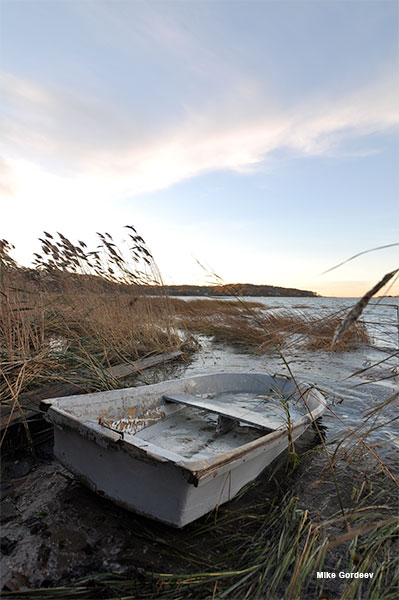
121,371
30,401
238,413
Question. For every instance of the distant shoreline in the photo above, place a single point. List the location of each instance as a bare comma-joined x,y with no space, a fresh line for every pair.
233,289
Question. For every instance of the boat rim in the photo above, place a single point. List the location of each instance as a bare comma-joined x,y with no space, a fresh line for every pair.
195,470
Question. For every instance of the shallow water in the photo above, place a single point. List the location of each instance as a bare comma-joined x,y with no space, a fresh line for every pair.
195,433
355,382
190,435
270,406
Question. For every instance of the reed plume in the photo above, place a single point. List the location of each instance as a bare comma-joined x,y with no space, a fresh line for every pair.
357,310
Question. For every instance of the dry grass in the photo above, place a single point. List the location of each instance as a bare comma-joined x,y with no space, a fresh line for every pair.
354,314
241,323
58,325
262,549
70,334
82,311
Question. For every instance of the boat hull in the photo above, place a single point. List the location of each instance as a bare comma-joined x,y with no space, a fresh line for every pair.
142,478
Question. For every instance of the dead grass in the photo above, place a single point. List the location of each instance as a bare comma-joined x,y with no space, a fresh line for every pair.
259,547
241,323
59,325
79,312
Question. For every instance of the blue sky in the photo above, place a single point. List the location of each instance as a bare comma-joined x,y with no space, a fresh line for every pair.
259,138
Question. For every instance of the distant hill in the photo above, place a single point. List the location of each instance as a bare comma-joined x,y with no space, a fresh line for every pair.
53,280
236,289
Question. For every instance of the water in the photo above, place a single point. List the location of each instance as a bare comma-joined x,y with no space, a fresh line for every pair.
355,382
197,433
191,434
267,406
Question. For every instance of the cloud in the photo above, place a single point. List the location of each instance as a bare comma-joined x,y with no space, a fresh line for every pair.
7,183
106,149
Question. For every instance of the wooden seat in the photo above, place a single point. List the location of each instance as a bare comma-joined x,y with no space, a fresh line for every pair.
238,414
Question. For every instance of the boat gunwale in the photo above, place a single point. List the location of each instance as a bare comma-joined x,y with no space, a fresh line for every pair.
195,470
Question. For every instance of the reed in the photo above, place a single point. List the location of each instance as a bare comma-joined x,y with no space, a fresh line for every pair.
248,324
268,550
78,313
353,315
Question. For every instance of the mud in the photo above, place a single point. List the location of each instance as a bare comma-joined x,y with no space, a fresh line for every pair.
59,530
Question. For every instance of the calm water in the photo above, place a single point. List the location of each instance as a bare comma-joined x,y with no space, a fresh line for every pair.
355,382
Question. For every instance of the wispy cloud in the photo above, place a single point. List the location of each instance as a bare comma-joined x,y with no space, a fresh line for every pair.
7,184
108,149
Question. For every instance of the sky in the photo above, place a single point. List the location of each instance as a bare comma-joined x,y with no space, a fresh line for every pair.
258,139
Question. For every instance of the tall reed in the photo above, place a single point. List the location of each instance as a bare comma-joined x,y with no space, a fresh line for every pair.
78,312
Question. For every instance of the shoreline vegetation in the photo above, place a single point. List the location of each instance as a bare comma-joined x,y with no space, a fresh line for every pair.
230,289
78,313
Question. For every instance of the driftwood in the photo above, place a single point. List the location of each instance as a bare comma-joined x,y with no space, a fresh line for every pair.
30,401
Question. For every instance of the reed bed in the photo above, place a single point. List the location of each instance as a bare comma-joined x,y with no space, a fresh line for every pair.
245,323
80,312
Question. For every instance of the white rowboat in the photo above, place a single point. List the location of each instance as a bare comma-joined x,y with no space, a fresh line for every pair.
175,450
